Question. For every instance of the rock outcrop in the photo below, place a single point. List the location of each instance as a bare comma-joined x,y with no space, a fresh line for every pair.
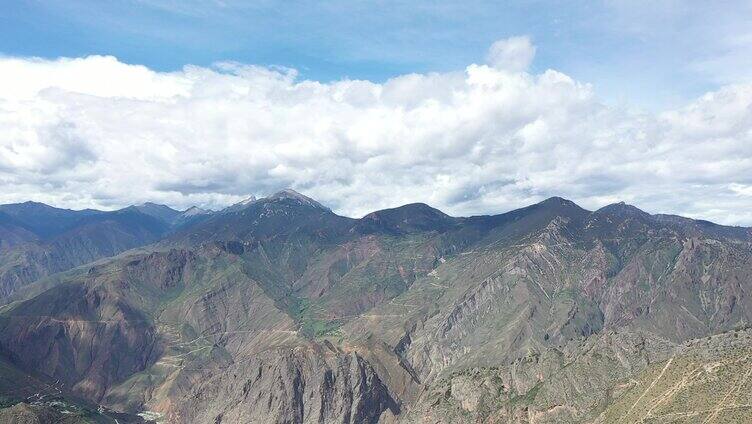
305,385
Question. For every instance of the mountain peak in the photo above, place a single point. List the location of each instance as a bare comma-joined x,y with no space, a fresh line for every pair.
413,217
623,209
247,201
241,204
410,208
556,200
154,205
194,210
163,212
290,194
32,205
557,206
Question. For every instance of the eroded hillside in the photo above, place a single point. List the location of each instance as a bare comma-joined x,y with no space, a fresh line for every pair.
279,310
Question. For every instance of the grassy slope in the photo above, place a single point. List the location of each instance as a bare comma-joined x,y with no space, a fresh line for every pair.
709,382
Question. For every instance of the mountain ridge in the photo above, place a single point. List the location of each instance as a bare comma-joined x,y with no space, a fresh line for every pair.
284,309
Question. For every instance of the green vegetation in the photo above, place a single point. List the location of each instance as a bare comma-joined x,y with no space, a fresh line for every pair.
309,316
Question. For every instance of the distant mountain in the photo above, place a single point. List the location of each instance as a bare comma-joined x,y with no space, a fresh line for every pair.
161,212
279,310
240,205
37,240
44,220
416,217
88,237
194,211
172,217
279,215
190,216
13,232
294,196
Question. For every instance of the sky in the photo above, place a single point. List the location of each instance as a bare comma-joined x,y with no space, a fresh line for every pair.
473,107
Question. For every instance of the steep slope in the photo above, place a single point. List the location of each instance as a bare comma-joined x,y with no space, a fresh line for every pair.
143,329
29,398
615,377
306,385
37,240
191,216
13,232
580,275
705,380
94,237
279,310
214,304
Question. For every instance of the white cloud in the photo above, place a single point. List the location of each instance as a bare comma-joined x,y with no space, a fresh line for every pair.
94,132
513,54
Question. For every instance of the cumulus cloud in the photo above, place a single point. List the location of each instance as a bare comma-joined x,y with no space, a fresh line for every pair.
514,54
95,132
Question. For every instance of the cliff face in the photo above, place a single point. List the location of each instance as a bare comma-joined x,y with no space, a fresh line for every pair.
613,377
281,311
305,385
85,337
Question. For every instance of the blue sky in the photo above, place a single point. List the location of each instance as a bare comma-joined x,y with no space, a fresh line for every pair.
648,54
473,107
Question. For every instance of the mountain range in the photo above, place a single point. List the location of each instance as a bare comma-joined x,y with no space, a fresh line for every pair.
278,310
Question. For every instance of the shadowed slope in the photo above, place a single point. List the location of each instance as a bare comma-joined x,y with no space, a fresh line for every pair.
97,236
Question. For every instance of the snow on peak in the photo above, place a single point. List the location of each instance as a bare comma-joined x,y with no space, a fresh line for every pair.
247,201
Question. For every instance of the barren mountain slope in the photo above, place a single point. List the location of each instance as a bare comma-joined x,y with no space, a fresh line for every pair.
282,311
